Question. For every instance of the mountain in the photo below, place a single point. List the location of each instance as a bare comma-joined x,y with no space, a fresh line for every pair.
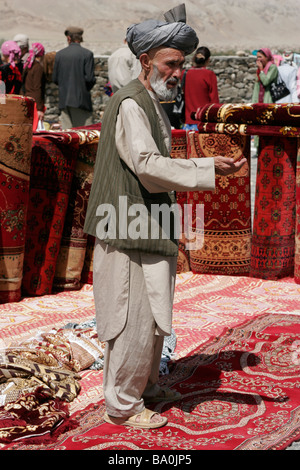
222,25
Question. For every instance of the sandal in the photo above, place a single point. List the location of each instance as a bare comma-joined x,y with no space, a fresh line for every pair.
144,421
165,394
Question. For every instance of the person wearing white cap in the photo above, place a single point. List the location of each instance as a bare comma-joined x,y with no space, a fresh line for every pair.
123,66
134,270
288,72
288,57
23,42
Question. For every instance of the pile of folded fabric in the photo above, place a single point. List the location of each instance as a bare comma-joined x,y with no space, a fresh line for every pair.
39,377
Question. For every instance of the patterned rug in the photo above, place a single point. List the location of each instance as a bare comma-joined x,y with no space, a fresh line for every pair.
273,238
52,168
275,227
236,364
16,118
45,183
297,236
73,246
227,210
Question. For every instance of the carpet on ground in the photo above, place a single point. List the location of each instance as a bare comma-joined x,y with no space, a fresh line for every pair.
236,364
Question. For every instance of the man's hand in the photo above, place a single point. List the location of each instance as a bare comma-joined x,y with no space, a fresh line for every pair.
227,166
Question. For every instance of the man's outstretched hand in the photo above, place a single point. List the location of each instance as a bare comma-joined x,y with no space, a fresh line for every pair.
227,166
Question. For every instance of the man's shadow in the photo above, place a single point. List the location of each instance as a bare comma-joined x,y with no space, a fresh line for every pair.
200,377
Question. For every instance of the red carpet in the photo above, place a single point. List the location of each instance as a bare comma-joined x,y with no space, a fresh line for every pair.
227,209
273,238
16,118
236,365
274,224
52,168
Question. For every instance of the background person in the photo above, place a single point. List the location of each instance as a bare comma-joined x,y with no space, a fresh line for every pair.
200,86
9,72
266,74
74,74
288,72
23,42
34,80
123,67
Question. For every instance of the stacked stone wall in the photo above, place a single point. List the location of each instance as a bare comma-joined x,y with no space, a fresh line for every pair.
235,75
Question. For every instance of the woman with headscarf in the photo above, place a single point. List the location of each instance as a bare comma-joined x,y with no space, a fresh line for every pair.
34,78
267,73
9,72
200,86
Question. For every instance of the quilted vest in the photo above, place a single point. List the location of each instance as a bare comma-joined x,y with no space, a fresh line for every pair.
121,212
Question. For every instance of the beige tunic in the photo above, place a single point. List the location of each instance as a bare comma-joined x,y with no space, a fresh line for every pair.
123,67
158,174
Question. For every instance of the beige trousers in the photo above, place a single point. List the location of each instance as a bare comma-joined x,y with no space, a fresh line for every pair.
132,358
75,117
131,368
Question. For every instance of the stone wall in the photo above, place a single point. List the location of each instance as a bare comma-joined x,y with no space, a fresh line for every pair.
235,75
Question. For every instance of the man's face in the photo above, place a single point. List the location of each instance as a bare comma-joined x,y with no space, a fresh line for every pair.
24,51
166,69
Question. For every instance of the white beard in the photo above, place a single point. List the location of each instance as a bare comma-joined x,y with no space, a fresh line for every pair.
160,87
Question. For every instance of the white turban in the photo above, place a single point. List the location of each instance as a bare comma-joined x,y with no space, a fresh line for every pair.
22,40
150,34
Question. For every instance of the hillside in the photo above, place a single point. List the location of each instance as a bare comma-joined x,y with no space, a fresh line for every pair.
222,25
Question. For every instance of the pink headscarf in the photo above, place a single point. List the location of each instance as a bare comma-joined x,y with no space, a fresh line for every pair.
267,52
37,50
12,50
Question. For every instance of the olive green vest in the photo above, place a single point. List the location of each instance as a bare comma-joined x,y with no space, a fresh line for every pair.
121,212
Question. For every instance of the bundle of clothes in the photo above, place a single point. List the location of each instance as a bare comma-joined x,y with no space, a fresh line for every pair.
39,377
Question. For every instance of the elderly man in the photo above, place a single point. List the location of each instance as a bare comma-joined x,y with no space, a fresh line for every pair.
134,276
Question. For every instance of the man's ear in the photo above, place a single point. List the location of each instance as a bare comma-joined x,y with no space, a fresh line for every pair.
145,62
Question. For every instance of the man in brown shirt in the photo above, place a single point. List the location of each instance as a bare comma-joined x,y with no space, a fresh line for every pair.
34,79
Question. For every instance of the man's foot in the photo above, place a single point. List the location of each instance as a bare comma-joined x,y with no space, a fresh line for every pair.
165,394
147,419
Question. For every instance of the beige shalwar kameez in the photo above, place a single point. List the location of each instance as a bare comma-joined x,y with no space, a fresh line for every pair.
134,291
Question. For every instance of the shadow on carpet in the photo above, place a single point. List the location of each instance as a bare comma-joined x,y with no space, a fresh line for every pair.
239,392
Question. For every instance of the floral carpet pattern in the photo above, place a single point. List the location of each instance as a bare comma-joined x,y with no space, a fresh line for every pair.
236,365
